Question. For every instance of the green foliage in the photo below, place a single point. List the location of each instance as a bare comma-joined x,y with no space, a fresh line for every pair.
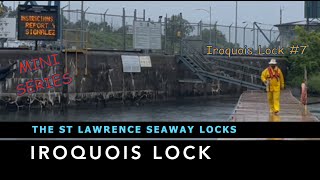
314,83
175,24
309,59
3,9
216,34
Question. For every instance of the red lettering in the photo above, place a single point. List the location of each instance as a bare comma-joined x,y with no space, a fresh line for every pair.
30,88
21,88
39,84
45,62
65,77
54,59
25,67
35,64
48,83
56,80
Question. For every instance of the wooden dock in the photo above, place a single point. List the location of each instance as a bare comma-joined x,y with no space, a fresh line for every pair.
253,107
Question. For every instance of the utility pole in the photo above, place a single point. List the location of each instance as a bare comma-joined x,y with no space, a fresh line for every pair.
236,33
308,20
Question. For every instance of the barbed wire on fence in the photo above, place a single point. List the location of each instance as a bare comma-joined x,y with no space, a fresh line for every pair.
115,31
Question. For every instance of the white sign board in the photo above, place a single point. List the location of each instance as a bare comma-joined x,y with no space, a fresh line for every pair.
130,63
146,35
141,35
145,61
155,35
8,28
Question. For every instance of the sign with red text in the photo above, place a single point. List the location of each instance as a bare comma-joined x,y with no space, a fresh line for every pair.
37,22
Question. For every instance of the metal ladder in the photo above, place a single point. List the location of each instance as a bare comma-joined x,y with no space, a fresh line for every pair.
80,47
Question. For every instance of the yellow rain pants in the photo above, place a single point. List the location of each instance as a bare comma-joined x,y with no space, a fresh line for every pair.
274,85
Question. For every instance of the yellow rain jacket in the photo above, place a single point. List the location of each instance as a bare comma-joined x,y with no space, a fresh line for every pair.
275,82
276,79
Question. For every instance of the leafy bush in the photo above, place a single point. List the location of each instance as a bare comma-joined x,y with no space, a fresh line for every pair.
309,59
314,84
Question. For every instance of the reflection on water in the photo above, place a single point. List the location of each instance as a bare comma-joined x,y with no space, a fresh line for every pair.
274,118
315,109
186,110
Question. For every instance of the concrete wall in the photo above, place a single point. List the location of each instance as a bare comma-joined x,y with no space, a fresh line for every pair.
100,80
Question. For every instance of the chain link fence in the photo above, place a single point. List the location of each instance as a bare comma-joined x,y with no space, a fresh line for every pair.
105,31
220,36
224,36
115,32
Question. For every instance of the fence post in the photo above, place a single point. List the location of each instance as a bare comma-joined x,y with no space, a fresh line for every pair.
173,34
61,29
215,34
165,33
257,39
144,15
82,25
180,29
201,30
253,34
124,29
135,15
230,34
271,37
244,36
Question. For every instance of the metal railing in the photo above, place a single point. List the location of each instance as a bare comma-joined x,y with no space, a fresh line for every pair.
199,64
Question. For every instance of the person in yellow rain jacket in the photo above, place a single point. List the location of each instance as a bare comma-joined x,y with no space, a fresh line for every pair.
272,77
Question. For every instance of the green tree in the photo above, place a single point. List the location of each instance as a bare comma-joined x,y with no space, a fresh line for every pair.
120,30
177,24
218,38
177,29
3,9
309,59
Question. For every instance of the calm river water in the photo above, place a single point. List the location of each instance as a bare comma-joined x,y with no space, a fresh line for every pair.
183,110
